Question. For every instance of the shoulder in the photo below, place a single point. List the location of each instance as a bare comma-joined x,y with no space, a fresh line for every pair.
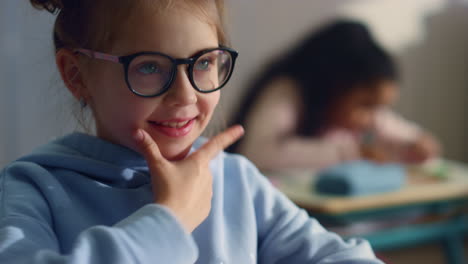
280,95
30,174
276,112
21,169
237,163
22,188
31,166
240,171
23,177
281,87
234,168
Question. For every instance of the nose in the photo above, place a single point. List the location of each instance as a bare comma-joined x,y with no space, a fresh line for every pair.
181,92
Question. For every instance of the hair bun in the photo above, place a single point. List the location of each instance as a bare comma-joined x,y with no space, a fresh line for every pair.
53,6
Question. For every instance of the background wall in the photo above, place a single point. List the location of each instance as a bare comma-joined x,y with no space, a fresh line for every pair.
428,37
32,101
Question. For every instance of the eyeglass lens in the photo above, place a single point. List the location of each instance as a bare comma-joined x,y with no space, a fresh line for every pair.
151,74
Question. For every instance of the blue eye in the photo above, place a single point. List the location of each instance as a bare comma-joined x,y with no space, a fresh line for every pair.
149,68
203,64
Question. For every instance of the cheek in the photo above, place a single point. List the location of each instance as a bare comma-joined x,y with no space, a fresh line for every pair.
119,115
362,117
208,103
106,85
344,114
114,105
101,73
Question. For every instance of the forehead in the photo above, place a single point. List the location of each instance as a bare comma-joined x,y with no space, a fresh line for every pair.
384,92
175,31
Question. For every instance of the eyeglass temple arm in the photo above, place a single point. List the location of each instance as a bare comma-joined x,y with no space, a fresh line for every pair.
98,55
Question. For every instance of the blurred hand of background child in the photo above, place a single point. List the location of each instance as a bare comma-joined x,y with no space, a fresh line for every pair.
421,150
344,143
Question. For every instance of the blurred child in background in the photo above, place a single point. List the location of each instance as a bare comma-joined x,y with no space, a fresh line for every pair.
327,101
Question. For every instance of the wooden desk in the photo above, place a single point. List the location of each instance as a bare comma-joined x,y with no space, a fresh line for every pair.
443,202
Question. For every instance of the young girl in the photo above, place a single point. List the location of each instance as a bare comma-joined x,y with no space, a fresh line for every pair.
146,188
326,101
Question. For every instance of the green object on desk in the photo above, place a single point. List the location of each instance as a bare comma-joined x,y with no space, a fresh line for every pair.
438,169
442,171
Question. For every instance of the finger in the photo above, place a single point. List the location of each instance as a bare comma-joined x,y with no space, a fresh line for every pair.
218,143
149,149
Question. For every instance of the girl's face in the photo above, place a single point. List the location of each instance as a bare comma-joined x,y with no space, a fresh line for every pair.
357,110
174,119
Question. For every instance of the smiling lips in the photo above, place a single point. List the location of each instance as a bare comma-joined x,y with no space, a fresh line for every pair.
174,128
174,124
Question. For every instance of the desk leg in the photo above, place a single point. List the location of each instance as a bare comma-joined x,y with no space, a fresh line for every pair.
453,249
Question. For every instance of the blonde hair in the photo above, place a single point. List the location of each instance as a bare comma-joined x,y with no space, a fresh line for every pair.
94,24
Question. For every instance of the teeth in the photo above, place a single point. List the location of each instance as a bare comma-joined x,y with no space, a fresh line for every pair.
175,124
181,124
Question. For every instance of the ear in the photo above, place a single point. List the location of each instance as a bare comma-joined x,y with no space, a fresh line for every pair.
71,72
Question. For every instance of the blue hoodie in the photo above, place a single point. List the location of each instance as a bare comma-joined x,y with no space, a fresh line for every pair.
80,199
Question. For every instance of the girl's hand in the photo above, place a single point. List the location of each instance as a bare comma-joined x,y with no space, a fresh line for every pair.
185,186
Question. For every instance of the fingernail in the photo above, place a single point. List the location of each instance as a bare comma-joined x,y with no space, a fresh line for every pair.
240,129
138,135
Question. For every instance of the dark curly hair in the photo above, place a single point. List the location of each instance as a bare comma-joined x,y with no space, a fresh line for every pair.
327,65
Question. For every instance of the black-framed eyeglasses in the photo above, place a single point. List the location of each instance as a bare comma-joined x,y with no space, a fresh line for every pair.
151,74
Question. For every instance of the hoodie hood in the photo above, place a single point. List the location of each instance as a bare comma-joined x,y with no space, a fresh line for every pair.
95,158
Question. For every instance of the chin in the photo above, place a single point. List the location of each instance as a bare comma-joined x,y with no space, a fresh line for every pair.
175,152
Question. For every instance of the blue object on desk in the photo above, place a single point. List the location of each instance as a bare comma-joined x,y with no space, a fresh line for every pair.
360,178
